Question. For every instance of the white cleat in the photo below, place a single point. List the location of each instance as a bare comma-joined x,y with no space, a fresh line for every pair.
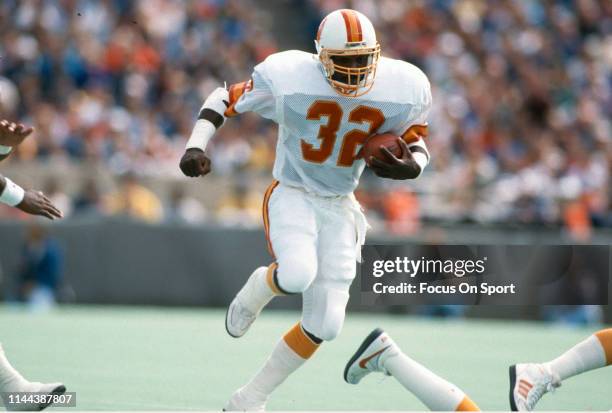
34,388
370,356
528,383
242,402
240,314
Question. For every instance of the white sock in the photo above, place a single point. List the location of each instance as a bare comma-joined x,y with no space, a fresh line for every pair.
584,356
432,390
256,293
10,379
282,362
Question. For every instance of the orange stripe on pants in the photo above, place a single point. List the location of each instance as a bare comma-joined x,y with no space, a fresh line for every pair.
605,338
298,341
270,279
266,215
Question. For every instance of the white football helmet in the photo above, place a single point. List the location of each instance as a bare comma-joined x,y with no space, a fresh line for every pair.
348,50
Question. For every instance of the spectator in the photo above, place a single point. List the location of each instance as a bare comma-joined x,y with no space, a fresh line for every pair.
242,207
132,199
88,200
41,268
184,209
58,197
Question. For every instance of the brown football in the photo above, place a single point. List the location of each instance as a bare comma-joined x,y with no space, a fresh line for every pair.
372,147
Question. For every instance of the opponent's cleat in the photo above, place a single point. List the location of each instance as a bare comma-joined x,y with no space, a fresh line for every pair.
370,356
246,306
528,383
242,402
35,388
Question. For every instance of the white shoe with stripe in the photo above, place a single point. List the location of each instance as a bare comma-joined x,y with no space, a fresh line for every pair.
370,356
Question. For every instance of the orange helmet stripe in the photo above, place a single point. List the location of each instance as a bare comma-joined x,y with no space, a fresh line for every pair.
353,26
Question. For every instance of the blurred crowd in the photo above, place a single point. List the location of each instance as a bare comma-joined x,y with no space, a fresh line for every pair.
520,129
131,198
519,133
120,82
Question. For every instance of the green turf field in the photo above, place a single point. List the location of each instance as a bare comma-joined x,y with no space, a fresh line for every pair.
124,358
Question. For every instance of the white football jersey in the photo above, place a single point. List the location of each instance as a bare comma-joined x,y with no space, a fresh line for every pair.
320,131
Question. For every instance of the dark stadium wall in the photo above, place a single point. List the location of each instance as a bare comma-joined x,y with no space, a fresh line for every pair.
116,261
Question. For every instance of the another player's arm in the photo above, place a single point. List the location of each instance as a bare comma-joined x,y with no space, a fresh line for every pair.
11,135
27,200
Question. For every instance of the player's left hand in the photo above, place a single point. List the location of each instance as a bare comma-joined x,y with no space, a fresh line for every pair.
396,168
12,134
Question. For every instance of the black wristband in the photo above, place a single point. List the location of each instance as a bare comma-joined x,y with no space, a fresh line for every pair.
211,116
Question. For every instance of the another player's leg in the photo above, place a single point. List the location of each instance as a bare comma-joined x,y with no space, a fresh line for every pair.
379,353
530,381
11,381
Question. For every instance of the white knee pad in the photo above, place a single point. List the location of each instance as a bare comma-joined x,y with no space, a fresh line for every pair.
296,272
323,311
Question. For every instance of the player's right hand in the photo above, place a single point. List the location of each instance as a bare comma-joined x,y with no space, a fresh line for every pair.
36,203
195,163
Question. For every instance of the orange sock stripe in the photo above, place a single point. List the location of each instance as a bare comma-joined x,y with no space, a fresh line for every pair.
299,342
605,338
266,215
467,405
270,279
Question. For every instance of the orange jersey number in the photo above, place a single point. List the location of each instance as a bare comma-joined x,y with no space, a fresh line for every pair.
327,131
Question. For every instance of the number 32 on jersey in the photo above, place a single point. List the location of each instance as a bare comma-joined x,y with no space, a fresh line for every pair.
327,131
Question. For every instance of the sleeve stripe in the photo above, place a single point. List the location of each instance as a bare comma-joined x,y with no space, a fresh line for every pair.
415,132
235,91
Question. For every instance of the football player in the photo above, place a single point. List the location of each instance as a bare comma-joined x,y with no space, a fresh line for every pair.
326,105
528,382
32,202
